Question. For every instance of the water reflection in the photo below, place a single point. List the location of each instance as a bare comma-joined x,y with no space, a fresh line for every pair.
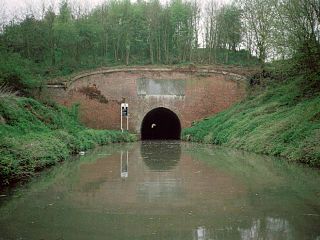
252,232
265,228
200,234
124,165
174,191
159,156
269,228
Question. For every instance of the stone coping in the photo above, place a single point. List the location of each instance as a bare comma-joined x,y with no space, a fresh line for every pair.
66,82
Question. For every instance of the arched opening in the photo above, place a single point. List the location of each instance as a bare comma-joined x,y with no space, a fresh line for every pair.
160,124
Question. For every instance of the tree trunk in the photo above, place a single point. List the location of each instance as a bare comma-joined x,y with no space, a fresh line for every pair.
159,49
106,45
127,54
151,50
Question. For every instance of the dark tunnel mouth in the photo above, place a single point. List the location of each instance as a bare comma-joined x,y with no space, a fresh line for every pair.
160,124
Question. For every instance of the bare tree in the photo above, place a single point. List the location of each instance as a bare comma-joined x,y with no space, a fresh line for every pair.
211,29
3,15
259,18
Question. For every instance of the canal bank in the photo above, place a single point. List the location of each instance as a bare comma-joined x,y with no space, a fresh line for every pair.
279,118
35,135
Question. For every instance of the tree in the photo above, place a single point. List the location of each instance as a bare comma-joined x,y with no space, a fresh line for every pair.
3,17
301,18
65,35
259,16
181,27
153,11
49,20
211,30
229,28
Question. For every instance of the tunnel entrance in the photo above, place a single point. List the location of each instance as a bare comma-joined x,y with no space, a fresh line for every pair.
160,124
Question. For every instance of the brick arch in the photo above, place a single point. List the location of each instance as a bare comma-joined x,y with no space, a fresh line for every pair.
144,111
191,95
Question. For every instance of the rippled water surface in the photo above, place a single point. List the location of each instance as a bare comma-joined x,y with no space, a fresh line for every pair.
166,190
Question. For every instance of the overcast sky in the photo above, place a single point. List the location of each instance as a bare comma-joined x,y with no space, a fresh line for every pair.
16,7
14,4
11,8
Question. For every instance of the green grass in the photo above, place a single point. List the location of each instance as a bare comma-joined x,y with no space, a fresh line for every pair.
279,121
34,136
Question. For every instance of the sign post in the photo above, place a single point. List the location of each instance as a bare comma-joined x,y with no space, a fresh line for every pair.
124,113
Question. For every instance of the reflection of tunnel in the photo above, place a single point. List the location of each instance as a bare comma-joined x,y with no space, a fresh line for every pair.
162,124
161,156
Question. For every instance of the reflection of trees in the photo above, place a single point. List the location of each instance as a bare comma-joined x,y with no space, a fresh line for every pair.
161,156
270,228
201,234
264,228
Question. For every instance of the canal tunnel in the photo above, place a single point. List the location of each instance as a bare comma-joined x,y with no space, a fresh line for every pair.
160,124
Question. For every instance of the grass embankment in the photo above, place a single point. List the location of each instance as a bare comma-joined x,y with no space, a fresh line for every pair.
281,120
34,136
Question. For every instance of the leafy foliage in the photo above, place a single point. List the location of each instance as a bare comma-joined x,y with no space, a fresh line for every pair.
148,32
16,73
114,33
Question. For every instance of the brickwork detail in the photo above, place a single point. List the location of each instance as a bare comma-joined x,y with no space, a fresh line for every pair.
101,93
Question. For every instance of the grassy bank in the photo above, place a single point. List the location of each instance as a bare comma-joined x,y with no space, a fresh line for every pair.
281,120
34,136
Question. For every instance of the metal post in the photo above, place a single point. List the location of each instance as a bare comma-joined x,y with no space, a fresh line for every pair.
121,113
121,123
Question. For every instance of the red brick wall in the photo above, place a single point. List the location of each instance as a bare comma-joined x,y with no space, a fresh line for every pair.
205,95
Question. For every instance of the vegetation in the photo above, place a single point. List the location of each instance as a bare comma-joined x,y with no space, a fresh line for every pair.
58,41
54,43
34,136
280,119
283,119
51,42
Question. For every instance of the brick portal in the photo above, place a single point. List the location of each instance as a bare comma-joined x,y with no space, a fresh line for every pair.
190,95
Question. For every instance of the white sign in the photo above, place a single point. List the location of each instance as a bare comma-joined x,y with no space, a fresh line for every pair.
124,113
124,109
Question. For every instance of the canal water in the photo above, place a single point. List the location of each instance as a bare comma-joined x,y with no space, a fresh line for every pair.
166,190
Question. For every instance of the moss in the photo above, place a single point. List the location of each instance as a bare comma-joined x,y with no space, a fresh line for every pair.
34,136
278,121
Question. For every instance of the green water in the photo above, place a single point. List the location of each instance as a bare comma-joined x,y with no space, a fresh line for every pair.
166,190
